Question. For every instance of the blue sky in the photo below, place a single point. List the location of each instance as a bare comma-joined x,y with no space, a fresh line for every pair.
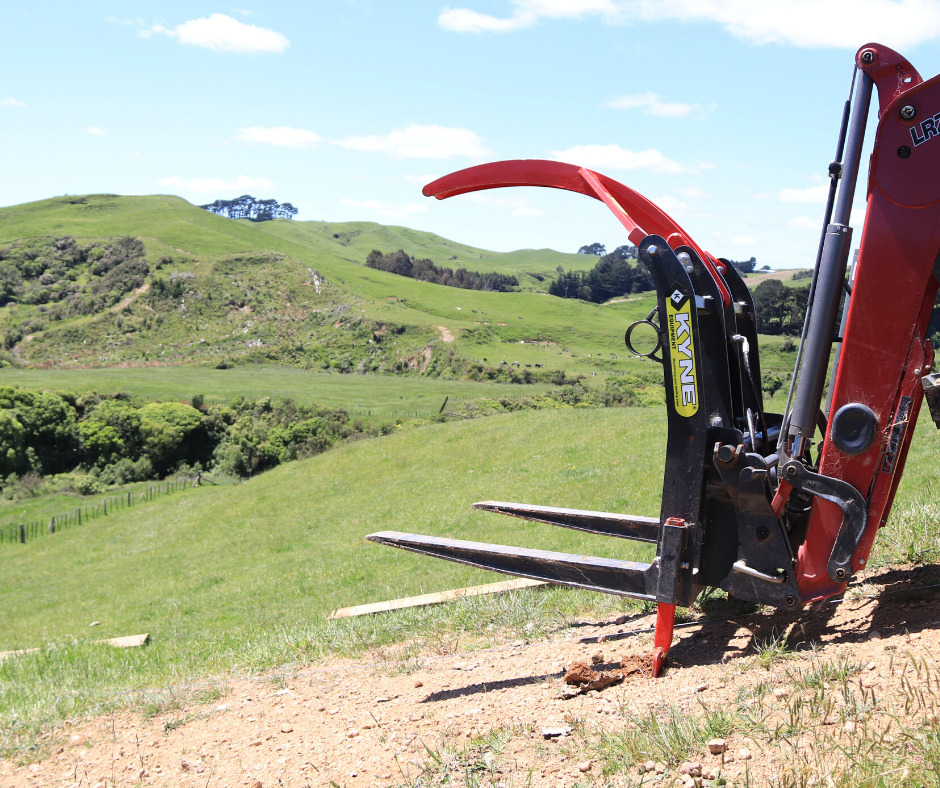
725,112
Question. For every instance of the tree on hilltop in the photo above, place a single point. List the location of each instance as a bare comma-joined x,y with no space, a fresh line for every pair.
251,208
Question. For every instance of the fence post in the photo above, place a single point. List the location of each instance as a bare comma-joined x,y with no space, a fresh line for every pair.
22,534
52,526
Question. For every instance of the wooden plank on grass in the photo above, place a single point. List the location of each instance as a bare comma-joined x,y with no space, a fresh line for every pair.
6,654
128,641
433,599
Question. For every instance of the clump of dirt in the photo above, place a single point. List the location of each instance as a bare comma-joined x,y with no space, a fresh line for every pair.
583,676
640,664
580,673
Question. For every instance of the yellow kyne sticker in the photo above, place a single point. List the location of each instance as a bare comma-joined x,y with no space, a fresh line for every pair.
682,353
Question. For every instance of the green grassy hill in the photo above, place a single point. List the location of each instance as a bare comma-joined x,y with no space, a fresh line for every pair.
240,291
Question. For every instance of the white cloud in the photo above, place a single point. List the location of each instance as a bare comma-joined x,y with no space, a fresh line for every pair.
525,14
812,195
284,136
221,33
96,131
386,210
463,20
420,142
242,184
9,102
560,9
601,157
804,223
671,205
804,23
692,193
743,241
652,104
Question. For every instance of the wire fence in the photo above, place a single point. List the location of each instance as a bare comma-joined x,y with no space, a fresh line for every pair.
20,533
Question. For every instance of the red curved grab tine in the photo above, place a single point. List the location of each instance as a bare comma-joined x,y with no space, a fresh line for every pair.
514,172
637,214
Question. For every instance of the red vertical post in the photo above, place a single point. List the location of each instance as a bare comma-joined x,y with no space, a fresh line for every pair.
662,639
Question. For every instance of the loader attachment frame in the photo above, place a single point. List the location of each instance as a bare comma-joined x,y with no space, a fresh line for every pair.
745,504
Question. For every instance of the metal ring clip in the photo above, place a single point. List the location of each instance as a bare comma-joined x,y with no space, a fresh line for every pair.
648,321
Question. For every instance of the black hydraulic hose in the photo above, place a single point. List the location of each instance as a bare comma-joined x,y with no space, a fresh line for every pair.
835,175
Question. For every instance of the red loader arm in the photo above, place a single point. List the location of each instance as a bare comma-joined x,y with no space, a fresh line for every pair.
884,349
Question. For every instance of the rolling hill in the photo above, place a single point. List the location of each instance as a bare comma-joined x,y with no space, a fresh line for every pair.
216,291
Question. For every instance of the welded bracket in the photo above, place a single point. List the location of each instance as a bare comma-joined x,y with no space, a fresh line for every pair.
763,571
848,499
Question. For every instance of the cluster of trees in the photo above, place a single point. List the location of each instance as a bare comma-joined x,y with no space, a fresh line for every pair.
745,266
787,307
780,309
404,265
103,440
67,279
248,207
614,274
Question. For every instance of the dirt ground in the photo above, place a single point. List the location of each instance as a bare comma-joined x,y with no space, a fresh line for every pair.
502,716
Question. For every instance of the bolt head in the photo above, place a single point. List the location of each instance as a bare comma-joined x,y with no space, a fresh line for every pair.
904,152
907,112
868,57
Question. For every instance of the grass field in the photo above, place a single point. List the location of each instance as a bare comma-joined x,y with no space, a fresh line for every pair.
375,395
240,579
288,545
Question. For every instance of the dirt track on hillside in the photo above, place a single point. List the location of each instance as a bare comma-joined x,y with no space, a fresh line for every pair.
458,717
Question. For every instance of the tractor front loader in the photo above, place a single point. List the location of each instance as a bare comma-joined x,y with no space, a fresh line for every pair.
751,503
